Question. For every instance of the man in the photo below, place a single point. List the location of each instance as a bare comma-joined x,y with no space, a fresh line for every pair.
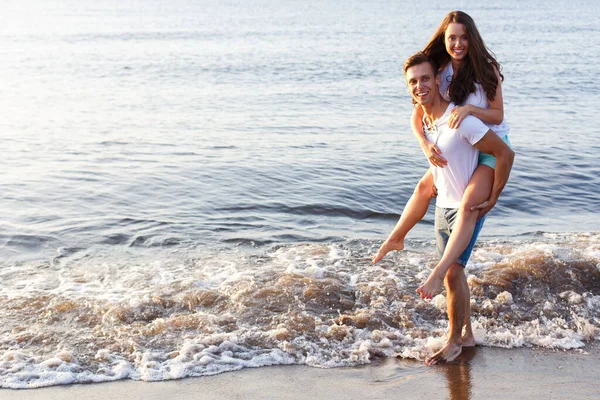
461,147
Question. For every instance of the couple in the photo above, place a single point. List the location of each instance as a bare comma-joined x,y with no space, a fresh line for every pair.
455,84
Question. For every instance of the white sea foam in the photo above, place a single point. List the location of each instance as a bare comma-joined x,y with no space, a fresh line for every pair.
319,305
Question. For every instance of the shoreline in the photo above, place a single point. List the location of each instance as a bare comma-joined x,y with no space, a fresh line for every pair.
479,373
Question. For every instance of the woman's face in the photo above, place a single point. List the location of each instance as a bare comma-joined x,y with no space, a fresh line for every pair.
457,41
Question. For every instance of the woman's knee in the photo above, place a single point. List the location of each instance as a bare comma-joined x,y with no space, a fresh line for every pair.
425,186
464,211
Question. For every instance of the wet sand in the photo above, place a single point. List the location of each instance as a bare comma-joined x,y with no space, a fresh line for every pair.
481,373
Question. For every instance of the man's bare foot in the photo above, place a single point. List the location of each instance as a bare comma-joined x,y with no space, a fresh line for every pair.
385,248
431,286
448,353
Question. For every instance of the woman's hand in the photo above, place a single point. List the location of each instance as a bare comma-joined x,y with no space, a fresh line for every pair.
434,155
458,114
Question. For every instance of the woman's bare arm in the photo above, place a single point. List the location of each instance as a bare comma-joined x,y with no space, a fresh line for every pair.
492,115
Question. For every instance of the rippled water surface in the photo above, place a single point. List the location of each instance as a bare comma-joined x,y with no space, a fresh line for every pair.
195,187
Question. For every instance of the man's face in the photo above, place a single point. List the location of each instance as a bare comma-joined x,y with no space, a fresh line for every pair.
422,83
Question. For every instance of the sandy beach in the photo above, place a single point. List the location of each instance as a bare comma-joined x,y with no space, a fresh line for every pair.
481,373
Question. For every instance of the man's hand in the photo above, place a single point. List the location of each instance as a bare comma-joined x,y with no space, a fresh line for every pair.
434,155
484,207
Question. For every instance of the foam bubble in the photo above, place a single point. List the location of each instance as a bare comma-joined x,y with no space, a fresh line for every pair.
504,298
440,302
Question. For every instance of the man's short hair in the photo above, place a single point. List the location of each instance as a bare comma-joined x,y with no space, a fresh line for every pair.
420,58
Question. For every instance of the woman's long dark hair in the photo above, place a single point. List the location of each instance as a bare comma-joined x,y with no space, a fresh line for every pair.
479,65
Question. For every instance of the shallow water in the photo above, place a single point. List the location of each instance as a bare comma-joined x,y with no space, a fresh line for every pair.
194,188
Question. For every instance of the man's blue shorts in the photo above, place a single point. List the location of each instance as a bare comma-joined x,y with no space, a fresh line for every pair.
444,222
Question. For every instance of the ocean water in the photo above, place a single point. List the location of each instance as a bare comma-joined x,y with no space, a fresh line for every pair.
190,188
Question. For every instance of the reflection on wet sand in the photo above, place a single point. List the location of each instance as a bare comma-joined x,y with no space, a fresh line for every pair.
458,375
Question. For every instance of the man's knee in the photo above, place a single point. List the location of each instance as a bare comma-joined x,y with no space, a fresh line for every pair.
455,276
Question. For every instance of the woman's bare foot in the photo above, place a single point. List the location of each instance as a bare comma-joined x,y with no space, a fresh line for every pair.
431,285
448,353
386,247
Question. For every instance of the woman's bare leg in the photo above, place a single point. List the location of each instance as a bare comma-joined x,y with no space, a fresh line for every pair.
477,192
413,212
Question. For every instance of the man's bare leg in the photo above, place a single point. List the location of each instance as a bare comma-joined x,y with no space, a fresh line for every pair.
458,297
477,192
468,339
413,212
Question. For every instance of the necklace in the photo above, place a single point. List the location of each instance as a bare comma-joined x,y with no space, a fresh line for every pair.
433,128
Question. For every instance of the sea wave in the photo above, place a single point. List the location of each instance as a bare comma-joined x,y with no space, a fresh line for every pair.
103,316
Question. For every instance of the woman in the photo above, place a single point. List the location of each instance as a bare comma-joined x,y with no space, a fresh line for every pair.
471,79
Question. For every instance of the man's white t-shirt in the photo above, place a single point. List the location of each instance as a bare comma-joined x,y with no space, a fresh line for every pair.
457,148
